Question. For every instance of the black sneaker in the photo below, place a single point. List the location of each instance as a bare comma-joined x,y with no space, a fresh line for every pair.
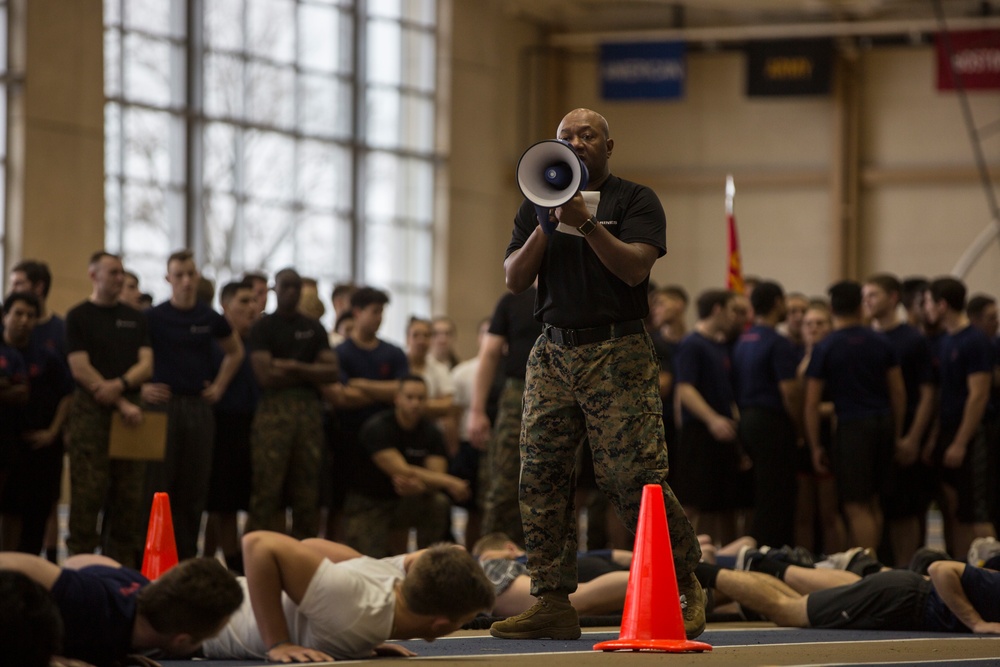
864,563
792,555
923,557
748,556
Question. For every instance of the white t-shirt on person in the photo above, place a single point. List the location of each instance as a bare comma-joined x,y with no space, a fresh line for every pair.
438,378
347,611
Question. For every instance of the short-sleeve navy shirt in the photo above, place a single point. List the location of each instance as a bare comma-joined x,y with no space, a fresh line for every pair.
704,364
182,345
98,607
963,353
762,359
853,363
982,587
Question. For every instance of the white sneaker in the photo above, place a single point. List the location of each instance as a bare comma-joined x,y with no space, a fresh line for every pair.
839,560
983,549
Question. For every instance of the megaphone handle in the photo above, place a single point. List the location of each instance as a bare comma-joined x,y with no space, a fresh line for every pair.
543,219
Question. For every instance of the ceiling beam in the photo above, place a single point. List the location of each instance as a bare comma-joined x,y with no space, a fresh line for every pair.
915,28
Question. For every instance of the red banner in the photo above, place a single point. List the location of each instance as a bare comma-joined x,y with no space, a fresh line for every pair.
975,60
734,279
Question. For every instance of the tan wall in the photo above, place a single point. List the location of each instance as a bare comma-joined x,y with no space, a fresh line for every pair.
484,150
920,202
56,204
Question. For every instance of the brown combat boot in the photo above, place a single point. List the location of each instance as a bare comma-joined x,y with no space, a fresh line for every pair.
692,606
552,617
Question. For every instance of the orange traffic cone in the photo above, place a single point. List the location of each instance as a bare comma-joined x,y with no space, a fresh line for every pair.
652,619
161,550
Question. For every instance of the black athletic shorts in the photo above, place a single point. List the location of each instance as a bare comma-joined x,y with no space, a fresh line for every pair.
889,600
971,480
708,473
229,484
862,453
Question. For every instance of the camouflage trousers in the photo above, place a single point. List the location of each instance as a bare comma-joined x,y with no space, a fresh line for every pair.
503,513
286,443
98,483
608,394
371,522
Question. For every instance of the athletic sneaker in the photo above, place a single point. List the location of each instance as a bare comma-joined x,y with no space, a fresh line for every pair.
923,557
747,556
982,550
841,559
552,617
792,555
692,606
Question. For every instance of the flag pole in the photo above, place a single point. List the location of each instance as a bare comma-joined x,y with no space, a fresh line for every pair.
734,276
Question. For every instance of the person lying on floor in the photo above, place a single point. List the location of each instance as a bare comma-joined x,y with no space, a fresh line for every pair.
109,611
317,600
956,597
602,573
603,577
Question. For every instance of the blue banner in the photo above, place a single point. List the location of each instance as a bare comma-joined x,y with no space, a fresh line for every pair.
643,71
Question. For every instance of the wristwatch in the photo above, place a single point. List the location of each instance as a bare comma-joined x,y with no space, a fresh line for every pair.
588,226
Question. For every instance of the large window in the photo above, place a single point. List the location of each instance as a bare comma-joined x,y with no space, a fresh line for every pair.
274,133
5,78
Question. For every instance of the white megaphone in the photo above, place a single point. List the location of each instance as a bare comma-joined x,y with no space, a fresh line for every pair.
549,174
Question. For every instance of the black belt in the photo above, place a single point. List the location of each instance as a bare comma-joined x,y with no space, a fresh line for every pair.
574,337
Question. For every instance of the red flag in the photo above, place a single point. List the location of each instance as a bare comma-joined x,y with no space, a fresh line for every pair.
734,277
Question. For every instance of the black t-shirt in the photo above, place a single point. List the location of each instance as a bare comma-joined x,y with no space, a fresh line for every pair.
575,290
110,335
514,319
382,432
297,337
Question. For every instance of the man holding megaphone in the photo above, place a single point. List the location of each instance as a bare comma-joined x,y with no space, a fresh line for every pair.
591,239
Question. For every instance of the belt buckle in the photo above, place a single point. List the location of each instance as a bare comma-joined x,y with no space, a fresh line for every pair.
569,337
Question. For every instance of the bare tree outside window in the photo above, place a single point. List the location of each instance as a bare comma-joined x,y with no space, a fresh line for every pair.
251,153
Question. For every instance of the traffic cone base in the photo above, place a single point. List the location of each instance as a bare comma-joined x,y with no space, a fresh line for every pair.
663,645
652,619
161,550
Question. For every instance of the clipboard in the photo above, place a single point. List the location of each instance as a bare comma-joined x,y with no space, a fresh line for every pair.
145,442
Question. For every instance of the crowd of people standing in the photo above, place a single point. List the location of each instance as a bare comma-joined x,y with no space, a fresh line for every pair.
837,421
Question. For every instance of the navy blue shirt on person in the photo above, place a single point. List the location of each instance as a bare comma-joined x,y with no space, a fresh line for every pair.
915,360
49,382
384,362
52,334
982,587
182,345
98,605
705,365
13,371
963,353
853,362
243,391
762,359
